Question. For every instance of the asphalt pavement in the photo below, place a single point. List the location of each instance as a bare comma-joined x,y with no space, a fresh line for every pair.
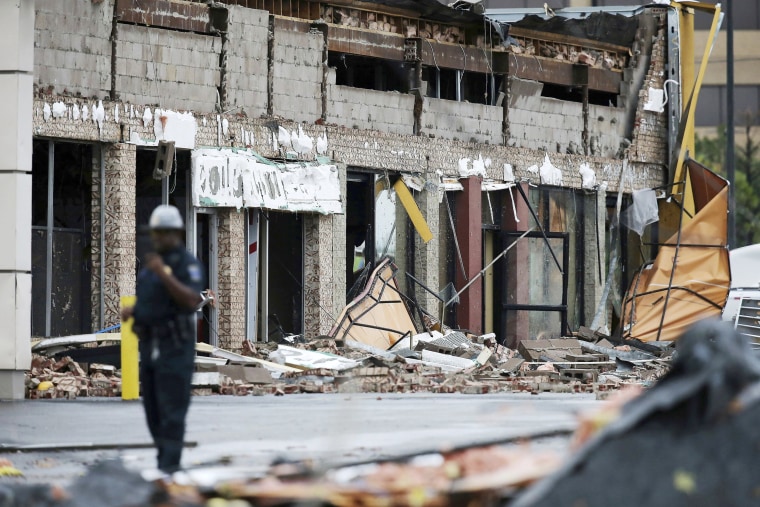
248,433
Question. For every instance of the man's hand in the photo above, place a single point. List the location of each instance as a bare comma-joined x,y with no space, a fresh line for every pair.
155,263
127,313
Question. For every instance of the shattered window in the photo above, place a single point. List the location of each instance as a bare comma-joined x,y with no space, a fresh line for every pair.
61,283
385,219
369,73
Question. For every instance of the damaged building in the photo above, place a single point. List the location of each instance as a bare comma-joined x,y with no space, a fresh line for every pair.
306,140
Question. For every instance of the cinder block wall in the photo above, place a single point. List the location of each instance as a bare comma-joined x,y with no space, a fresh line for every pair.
607,126
297,75
72,50
464,121
370,110
247,61
546,124
177,70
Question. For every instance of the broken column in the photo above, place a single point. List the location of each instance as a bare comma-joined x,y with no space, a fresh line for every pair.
517,219
16,63
426,254
324,270
594,254
469,235
231,299
119,228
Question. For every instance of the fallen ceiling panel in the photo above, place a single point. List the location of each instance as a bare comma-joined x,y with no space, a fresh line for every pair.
378,316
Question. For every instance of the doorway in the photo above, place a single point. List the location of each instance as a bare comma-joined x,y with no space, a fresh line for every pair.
534,286
204,245
284,306
61,238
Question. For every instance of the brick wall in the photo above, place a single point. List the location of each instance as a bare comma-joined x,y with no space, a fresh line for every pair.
426,255
297,75
324,268
247,60
120,229
72,50
95,245
231,300
370,110
650,132
177,70
462,120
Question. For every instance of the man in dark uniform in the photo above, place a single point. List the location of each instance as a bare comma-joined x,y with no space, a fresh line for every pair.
168,292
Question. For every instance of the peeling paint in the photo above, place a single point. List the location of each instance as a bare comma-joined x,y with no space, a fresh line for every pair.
588,176
322,144
59,110
509,175
99,114
173,126
549,174
147,117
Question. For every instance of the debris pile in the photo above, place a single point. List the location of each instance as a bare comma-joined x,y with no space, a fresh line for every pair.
455,362
377,345
706,405
65,378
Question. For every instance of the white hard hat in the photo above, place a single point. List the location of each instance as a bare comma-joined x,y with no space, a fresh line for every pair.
166,216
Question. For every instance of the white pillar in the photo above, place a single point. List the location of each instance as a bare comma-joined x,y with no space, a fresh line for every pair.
16,69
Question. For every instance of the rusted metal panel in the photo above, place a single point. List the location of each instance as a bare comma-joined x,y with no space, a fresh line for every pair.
566,39
177,15
292,24
455,56
365,43
547,70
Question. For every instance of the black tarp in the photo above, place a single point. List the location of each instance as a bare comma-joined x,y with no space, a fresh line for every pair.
434,11
691,440
599,26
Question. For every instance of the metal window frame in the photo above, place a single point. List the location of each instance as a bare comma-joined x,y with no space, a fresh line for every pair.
563,306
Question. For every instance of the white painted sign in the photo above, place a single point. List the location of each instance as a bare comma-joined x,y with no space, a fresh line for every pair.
226,178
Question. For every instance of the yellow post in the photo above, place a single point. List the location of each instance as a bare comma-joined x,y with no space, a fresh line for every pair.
130,373
407,200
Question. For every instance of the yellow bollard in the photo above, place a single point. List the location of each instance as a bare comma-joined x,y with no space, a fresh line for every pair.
130,372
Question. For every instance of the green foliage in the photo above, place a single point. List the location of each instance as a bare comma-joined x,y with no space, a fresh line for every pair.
711,152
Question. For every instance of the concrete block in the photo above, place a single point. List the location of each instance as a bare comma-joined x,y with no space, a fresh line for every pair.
17,36
15,226
15,347
16,109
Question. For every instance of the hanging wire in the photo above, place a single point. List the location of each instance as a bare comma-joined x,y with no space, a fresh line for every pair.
174,184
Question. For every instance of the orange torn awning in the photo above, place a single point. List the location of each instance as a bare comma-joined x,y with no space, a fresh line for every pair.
690,277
